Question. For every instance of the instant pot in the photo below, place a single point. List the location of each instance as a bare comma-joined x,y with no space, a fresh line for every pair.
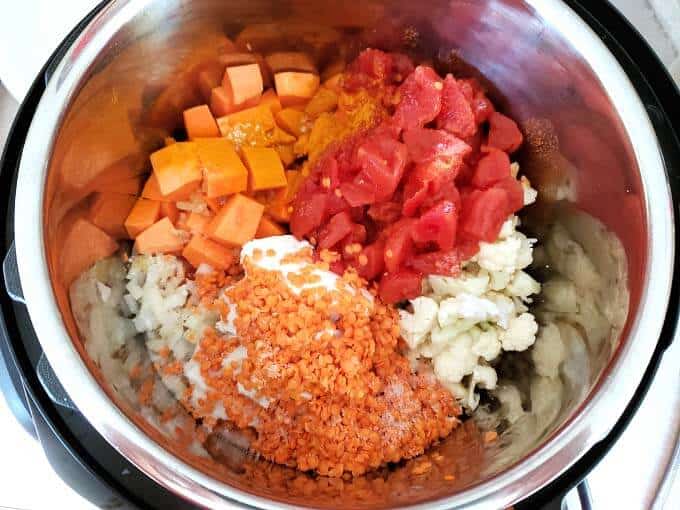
588,92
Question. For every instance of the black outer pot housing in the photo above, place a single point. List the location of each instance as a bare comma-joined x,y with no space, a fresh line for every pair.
100,474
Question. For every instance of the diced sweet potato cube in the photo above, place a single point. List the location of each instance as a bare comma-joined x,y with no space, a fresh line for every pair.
237,221
161,237
223,171
108,211
294,179
290,61
169,210
176,167
238,59
295,88
215,204
143,214
221,101
268,228
266,169
270,99
198,223
204,251
83,245
153,192
290,120
200,123
325,100
334,83
252,126
246,82
286,153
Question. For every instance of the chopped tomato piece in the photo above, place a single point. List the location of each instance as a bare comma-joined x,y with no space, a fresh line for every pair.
483,214
456,115
437,225
382,161
405,284
421,98
338,227
385,212
426,145
493,167
369,68
504,133
443,263
515,193
358,194
399,244
308,213
373,261
481,106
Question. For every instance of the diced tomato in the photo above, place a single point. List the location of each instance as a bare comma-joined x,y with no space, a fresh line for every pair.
515,193
371,67
308,213
382,161
444,263
336,204
446,191
491,168
399,244
426,145
395,287
456,115
504,133
482,107
339,227
402,66
375,261
437,225
425,180
385,212
483,214
421,98
328,167
357,194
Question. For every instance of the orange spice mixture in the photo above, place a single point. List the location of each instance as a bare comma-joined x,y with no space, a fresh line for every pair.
316,375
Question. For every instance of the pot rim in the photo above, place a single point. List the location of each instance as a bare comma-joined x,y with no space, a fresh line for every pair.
588,425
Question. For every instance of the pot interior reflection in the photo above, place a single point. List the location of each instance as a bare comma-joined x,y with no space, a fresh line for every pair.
577,154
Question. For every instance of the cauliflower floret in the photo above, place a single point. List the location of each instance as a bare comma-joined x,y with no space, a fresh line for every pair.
467,306
525,254
530,194
501,255
441,336
520,334
506,308
485,377
466,282
508,227
548,352
487,345
523,286
457,361
417,325
499,280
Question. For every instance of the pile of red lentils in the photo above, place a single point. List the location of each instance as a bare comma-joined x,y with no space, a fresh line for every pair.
323,386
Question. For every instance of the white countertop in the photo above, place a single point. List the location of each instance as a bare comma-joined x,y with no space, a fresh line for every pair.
28,482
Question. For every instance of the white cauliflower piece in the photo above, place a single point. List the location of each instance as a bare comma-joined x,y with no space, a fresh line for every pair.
457,361
506,308
466,282
520,334
441,336
499,280
548,352
469,307
508,227
523,286
417,325
487,345
530,194
484,377
525,254
501,255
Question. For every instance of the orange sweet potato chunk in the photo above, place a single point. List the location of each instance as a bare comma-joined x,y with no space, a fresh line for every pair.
176,167
169,210
143,214
161,237
290,120
237,221
200,123
83,245
270,99
268,228
204,251
266,169
108,211
153,192
223,171
198,223
245,81
295,88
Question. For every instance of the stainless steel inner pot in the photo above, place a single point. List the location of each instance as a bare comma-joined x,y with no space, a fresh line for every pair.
590,151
